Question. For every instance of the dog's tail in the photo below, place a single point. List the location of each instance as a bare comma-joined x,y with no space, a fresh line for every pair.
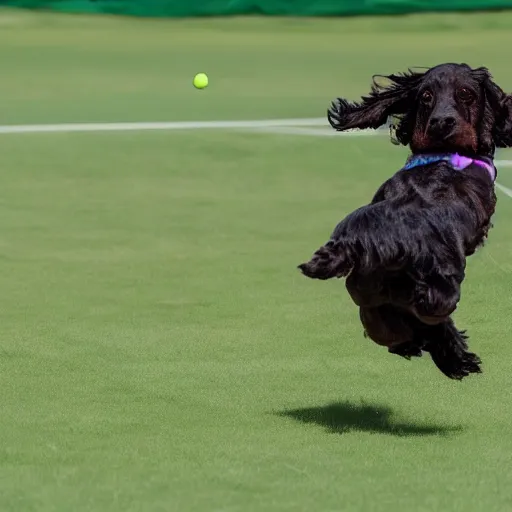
371,237
331,260
448,348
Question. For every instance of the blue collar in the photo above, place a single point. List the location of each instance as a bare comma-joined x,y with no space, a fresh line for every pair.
458,162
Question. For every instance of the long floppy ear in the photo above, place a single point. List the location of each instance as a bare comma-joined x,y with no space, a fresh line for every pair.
373,110
503,128
497,119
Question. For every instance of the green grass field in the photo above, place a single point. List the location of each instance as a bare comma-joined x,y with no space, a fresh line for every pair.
159,350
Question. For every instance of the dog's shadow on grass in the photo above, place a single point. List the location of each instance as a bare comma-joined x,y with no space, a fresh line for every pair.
344,417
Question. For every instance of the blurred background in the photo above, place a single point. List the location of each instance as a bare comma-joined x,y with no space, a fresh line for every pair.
158,348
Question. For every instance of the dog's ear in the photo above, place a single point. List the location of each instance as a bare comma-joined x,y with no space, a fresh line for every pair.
497,118
384,100
503,125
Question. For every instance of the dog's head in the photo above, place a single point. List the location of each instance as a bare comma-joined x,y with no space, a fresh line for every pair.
450,107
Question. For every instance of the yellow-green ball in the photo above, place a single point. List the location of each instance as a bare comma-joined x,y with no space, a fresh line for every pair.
200,81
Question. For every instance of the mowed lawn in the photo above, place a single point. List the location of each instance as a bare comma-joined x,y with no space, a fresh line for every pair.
159,351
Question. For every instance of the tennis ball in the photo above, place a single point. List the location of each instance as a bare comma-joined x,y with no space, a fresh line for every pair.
200,81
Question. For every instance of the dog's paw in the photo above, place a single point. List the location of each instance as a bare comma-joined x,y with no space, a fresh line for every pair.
453,358
406,350
337,113
457,369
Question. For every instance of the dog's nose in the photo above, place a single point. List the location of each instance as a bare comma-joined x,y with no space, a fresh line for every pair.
441,125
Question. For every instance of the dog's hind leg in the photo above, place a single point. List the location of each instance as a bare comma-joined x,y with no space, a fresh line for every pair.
448,348
391,327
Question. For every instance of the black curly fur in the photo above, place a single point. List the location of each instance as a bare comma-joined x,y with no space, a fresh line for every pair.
404,254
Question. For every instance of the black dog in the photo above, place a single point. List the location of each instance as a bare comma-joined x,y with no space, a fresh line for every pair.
404,254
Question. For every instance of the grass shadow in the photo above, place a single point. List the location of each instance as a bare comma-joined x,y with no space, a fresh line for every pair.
340,418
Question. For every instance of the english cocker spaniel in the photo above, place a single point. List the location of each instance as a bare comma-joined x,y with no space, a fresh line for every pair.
404,254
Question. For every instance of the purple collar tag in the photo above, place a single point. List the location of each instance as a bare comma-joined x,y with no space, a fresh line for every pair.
461,162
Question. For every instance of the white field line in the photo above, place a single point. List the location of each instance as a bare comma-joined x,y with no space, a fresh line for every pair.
505,190
178,125
503,163
318,132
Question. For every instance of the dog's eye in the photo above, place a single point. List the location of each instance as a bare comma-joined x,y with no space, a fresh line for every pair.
427,97
465,95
